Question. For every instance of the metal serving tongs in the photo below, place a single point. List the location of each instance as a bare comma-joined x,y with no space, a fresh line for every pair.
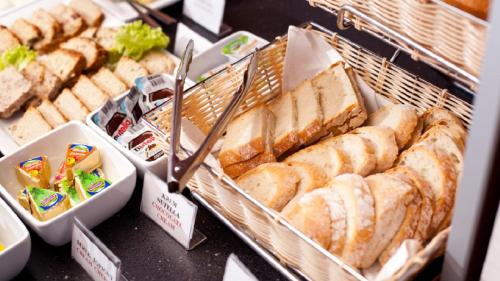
180,171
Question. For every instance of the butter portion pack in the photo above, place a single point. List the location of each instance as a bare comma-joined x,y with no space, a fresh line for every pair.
46,204
78,157
34,172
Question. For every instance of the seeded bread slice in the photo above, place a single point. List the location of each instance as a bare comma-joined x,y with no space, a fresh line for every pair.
7,39
309,115
321,215
401,118
65,64
108,82
87,92
358,151
158,61
27,33
383,144
327,158
437,169
89,11
273,184
360,209
94,54
128,70
50,28
70,106
246,136
390,196
285,135
51,114
311,177
29,127
72,23
46,85
15,90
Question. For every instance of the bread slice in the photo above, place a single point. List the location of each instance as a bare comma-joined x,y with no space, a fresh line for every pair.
70,106
49,27
327,158
106,37
309,115
426,196
237,169
438,171
360,208
72,23
7,39
321,215
391,197
29,127
51,114
90,32
245,136
27,33
401,118
440,116
65,64
128,70
157,62
383,144
87,92
338,98
94,54
15,90
417,132
285,135
46,85
311,177
273,184
89,11
357,150
108,82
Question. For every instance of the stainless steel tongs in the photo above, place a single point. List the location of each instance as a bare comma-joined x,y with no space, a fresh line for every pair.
180,171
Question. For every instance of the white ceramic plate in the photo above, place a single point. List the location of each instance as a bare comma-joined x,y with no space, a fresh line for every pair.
117,169
7,143
16,239
124,12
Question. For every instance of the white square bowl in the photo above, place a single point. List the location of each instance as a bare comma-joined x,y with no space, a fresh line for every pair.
16,239
121,173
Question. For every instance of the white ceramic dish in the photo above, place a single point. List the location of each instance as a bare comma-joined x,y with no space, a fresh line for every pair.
16,239
117,169
124,12
212,57
158,166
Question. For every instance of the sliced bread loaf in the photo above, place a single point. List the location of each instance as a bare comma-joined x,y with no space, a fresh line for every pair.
128,70
237,169
108,82
401,118
309,114
7,39
29,127
15,90
65,64
72,23
383,144
94,54
311,177
285,134
50,28
46,85
51,114
89,11
158,61
417,132
87,92
27,33
358,151
273,184
70,106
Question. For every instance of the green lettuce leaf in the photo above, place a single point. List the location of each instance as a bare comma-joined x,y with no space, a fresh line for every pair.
19,57
136,38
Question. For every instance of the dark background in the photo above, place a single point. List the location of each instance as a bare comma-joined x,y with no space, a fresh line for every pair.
148,253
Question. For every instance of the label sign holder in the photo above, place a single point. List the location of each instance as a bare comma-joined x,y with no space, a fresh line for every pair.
207,14
93,255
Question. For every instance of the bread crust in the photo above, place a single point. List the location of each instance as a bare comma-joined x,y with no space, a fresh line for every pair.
403,126
383,143
317,177
235,170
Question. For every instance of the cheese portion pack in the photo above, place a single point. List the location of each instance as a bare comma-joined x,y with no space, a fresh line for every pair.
34,172
78,157
67,189
46,204
88,184
22,197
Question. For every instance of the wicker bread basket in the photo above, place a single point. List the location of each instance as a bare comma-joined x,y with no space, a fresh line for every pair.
449,32
204,102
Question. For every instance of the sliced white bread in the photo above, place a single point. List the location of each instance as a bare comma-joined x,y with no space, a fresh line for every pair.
15,90
46,85
383,144
7,39
89,11
321,215
437,169
94,54
237,169
51,114
128,70
311,177
27,33
417,133
329,159
87,92
158,61
273,184
309,115
72,23
29,127
440,116
70,106
391,197
357,150
65,64
108,82
285,134
426,196
401,118
48,25
339,99
246,136
360,209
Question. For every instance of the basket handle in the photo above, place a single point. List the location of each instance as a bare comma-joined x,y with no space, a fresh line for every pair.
180,171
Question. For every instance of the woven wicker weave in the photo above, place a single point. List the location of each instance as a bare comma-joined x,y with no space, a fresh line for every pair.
205,101
435,25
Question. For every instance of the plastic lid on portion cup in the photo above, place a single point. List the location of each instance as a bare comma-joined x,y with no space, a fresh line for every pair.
239,47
